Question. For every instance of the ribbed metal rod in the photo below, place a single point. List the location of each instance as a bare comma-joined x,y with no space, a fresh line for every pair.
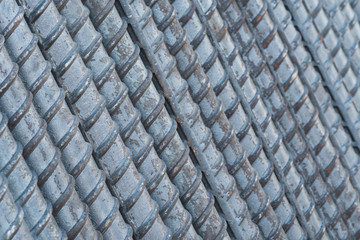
318,95
22,184
62,125
341,28
336,84
351,18
355,6
209,60
128,118
348,41
41,155
12,224
156,119
330,165
188,114
336,175
312,80
140,211
215,118
353,164
286,70
255,107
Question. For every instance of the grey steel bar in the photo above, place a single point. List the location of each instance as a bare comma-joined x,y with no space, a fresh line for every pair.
284,71
22,184
188,179
140,211
255,107
12,224
241,122
334,170
188,113
41,155
128,118
355,6
318,95
62,125
338,86
214,117
351,18
348,42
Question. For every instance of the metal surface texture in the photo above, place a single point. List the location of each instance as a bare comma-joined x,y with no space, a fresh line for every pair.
62,125
128,118
336,82
41,155
214,117
255,107
252,144
319,96
346,40
349,160
188,114
109,150
293,90
336,174
180,119
327,48
156,119
350,17
22,183
355,6
12,224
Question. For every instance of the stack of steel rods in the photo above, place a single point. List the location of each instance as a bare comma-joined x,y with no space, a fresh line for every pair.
179,119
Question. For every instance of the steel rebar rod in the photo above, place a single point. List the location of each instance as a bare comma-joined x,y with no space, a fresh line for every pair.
316,35
128,118
12,224
318,95
253,145
330,164
41,155
156,119
22,184
350,16
284,70
347,38
188,113
140,211
62,125
355,6
224,135
342,31
255,107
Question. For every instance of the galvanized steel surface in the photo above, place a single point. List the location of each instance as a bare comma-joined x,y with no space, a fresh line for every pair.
259,96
